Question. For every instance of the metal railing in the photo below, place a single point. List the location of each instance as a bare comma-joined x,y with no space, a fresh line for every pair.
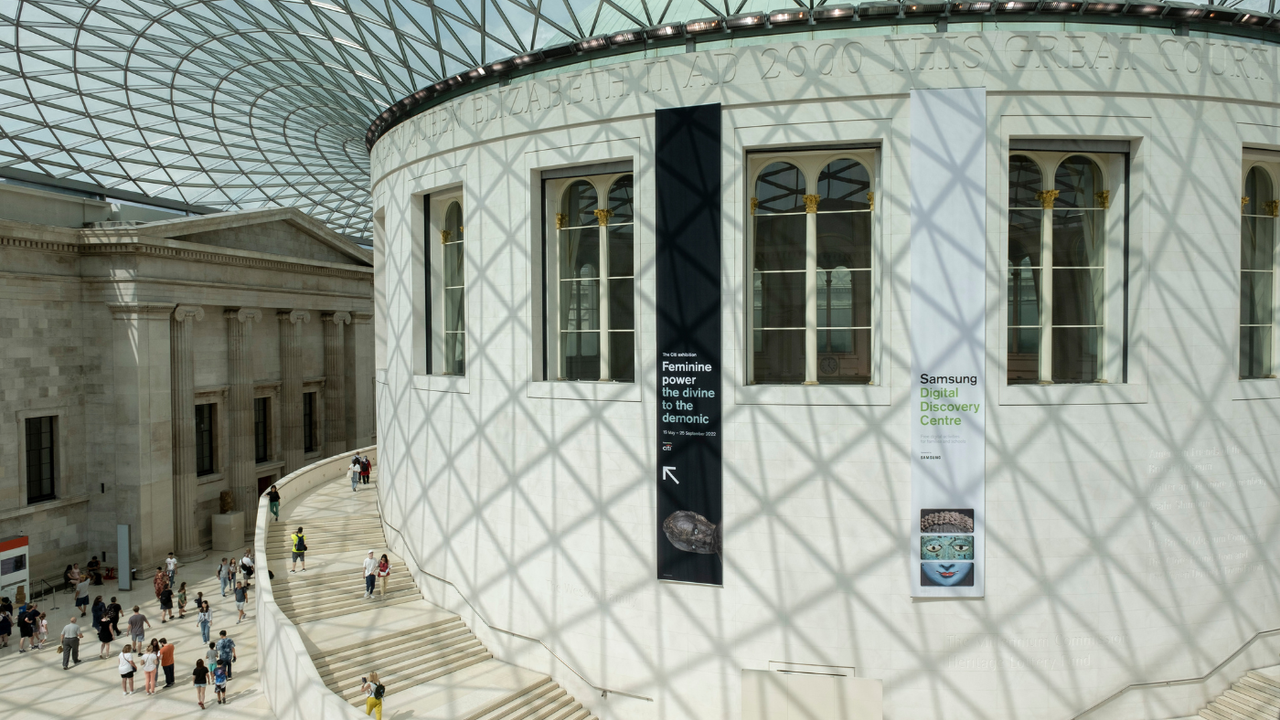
604,692
1181,681
46,591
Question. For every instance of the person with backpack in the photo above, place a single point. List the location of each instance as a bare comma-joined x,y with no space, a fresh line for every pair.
221,674
364,470
354,470
246,567
300,547
374,692
114,613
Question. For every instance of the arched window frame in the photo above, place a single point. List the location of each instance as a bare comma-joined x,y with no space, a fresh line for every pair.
609,365
1111,207
1268,209
438,238
810,164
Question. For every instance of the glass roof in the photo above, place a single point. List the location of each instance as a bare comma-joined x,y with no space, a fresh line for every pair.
237,104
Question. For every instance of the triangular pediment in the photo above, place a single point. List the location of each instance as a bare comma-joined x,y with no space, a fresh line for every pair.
276,231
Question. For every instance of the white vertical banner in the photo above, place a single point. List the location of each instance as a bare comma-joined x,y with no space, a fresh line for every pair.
948,293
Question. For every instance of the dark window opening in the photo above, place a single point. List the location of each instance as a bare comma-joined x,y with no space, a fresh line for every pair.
42,469
204,439
309,422
261,429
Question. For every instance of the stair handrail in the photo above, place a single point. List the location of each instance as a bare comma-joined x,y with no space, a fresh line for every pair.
604,692
50,591
1181,681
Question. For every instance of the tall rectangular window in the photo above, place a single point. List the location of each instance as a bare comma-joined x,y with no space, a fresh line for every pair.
42,453
455,303
205,439
811,318
1057,271
1258,210
261,429
592,288
309,422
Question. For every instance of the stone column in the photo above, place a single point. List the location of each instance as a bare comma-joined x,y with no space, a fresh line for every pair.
240,449
291,385
360,380
139,426
335,393
183,378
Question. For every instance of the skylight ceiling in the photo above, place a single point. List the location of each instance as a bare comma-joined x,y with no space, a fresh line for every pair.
240,104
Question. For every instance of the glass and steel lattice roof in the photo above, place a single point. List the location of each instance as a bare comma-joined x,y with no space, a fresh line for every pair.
236,104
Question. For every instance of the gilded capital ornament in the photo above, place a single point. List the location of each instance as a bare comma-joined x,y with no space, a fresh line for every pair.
1103,199
811,203
755,203
1244,201
602,216
1046,198
1271,208
444,236
561,220
871,200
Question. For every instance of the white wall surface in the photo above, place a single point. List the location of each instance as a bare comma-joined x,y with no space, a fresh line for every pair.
1128,524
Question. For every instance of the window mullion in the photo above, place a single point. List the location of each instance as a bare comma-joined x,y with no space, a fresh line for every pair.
605,373
1046,296
811,296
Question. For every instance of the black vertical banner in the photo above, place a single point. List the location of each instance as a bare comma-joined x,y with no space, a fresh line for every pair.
688,313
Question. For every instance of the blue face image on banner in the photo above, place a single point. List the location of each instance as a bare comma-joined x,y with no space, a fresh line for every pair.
946,574
946,547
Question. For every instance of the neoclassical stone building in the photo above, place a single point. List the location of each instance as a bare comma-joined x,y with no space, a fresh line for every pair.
146,367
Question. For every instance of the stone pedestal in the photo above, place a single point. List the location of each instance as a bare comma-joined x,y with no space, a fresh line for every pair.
228,531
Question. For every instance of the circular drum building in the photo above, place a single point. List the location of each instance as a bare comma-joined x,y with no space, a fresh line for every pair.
932,348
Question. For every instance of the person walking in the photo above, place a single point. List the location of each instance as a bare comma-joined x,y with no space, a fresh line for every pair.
182,600
82,595
224,576
211,656
226,651
28,623
273,500
42,631
242,597
71,642
150,666
246,567
365,467
354,471
160,581
370,575
127,668
171,568
299,549
6,626
221,674
98,611
166,661
204,618
384,571
136,633
105,636
374,692
201,675
166,604
114,612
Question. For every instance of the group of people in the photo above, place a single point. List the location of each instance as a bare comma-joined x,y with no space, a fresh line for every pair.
359,471
239,588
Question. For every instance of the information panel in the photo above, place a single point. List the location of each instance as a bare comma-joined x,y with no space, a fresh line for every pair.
948,386
687,256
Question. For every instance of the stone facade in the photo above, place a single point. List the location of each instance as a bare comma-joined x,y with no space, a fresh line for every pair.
120,330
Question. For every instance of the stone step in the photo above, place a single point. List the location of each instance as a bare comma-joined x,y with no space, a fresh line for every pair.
1263,679
351,599
1247,699
358,548
351,583
1209,714
405,679
574,712
317,580
1258,688
539,707
423,648
1226,706
539,686
1257,695
355,649
306,617
285,528
408,660
337,536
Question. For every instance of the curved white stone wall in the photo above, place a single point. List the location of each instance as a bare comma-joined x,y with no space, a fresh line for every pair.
1128,525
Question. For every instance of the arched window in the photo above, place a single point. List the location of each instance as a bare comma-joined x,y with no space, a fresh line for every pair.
811,284
596,279
1258,208
455,316
1057,269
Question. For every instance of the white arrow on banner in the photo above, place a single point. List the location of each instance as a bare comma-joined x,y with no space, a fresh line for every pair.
667,473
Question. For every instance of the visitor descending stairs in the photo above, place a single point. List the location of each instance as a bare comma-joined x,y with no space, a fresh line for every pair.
1256,696
426,657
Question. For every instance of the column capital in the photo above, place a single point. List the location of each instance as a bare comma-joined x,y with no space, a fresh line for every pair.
360,318
151,311
294,316
337,318
188,312
244,315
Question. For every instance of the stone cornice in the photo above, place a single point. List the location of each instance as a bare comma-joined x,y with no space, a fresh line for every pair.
151,311
138,247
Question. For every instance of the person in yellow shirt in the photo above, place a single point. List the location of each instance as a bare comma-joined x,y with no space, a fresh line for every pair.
299,550
373,691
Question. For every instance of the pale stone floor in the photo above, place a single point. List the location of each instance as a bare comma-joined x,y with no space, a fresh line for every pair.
33,686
